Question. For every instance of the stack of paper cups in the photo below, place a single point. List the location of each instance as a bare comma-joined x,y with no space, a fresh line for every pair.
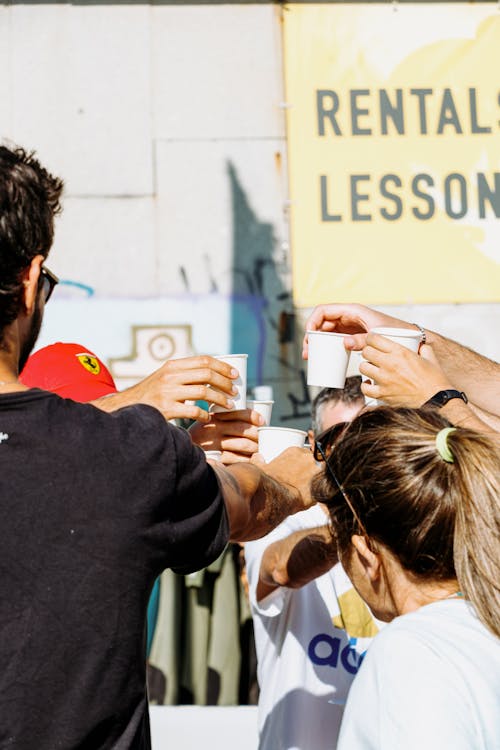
264,408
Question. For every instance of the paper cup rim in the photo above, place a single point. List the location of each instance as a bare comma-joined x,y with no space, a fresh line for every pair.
409,333
282,429
231,356
327,333
259,401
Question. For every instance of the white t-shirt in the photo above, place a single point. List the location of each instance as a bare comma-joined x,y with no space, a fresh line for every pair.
305,664
431,681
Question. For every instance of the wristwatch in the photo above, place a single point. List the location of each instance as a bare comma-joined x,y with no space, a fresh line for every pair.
442,397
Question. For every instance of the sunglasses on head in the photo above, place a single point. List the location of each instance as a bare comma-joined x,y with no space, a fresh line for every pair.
323,446
48,282
324,442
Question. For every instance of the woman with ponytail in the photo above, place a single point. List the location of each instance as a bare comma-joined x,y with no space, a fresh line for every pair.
415,511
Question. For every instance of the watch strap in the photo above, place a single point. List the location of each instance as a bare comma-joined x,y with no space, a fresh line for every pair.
442,397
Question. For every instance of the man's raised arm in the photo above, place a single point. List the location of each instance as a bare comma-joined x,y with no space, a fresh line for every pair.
469,371
465,369
175,386
257,501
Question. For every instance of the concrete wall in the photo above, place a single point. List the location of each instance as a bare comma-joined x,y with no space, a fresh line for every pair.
167,123
210,727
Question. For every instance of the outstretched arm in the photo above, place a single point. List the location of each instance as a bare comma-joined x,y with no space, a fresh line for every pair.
403,378
469,416
176,385
469,371
257,501
296,560
464,369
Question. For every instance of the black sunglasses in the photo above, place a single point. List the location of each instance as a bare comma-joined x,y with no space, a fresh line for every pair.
323,446
48,282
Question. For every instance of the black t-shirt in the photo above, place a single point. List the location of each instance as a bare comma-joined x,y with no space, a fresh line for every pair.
93,506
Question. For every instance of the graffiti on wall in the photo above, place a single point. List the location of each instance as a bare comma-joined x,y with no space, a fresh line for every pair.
151,347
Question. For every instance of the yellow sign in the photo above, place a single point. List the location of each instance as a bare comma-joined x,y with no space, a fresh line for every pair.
394,152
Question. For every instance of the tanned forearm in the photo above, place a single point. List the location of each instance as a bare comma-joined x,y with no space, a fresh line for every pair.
296,560
255,502
462,415
491,420
114,401
469,371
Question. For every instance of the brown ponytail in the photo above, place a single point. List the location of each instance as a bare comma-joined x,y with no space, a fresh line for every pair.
440,519
477,524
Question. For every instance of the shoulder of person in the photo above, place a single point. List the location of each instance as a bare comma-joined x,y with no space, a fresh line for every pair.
418,637
139,417
139,426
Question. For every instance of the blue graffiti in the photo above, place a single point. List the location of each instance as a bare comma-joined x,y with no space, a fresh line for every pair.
78,285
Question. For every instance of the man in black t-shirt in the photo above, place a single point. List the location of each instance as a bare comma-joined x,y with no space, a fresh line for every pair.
93,506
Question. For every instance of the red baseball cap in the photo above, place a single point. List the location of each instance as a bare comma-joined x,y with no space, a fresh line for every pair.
69,370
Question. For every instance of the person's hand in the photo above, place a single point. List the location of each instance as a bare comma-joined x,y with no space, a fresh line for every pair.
295,467
402,377
234,433
351,319
176,385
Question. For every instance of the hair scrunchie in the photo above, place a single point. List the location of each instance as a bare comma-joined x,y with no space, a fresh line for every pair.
442,444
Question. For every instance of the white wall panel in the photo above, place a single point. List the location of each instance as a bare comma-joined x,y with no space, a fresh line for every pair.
204,191
80,92
5,77
217,71
108,245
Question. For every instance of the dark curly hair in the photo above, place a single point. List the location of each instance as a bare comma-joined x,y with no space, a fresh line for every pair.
29,200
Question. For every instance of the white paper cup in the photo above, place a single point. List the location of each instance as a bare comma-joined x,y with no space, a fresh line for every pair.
239,362
214,455
264,408
274,440
327,359
355,359
263,392
364,378
407,337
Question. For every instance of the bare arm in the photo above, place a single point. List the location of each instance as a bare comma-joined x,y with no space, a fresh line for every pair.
464,369
403,378
176,385
469,371
491,420
296,560
256,501
467,415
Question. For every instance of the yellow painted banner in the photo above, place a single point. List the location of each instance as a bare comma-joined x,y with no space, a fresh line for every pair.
394,152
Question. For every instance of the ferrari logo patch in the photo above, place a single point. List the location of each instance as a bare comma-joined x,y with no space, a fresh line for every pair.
90,363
